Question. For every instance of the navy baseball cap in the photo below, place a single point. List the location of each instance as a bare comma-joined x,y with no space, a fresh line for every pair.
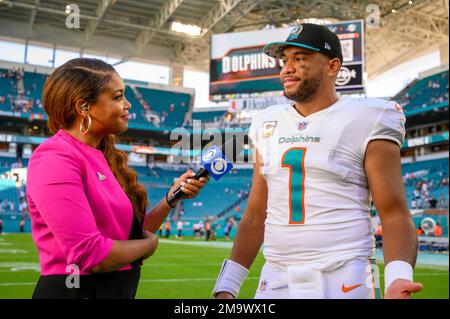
309,36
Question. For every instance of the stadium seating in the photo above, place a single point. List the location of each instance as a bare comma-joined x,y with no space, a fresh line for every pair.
434,173
171,107
213,199
6,163
6,89
168,107
9,200
208,117
429,91
34,85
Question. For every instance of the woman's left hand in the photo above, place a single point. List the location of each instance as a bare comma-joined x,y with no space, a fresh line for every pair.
189,186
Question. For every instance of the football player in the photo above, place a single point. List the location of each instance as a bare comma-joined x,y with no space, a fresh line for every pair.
319,163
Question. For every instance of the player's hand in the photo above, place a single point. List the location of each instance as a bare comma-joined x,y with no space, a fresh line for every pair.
224,295
402,289
152,243
190,186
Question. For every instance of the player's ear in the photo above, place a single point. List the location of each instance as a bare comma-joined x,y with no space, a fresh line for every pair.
334,66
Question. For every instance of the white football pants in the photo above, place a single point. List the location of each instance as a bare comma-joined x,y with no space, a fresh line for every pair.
356,279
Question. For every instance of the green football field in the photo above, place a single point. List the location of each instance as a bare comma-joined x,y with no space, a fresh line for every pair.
179,269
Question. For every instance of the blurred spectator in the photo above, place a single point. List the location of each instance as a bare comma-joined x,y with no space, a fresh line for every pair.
167,227
413,204
22,225
424,187
419,203
419,231
23,208
208,226
438,230
229,227
201,227
5,204
227,230
22,193
196,229
433,202
179,228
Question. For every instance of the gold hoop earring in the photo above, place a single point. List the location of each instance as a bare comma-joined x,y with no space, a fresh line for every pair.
85,131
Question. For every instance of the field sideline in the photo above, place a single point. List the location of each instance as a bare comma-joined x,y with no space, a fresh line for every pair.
179,269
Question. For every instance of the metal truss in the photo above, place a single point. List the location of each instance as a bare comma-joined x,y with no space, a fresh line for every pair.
93,24
157,22
220,19
32,18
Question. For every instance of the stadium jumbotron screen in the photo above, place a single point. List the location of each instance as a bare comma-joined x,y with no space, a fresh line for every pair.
239,65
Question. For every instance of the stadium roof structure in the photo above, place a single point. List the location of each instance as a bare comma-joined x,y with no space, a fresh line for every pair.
141,30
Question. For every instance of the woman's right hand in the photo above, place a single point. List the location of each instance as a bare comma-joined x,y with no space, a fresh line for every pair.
152,243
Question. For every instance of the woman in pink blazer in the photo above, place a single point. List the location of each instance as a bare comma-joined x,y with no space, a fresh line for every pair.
88,211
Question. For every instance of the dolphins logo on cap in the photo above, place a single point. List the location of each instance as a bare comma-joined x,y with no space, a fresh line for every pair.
295,32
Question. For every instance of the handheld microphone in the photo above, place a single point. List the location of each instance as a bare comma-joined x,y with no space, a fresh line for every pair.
215,164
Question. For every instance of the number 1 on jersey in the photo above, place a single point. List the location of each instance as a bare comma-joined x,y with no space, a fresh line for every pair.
294,159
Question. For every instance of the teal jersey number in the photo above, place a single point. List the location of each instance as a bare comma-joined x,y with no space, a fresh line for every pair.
294,159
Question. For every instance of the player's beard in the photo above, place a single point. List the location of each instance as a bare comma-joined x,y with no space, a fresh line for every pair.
306,89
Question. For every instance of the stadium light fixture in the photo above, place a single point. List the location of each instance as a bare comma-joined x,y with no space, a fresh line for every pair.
394,11
410,2
68,9
188,29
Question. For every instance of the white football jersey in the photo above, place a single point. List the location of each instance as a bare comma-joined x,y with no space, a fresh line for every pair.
318,197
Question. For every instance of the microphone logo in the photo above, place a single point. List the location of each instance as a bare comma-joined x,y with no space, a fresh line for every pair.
219,166
216,163
208,155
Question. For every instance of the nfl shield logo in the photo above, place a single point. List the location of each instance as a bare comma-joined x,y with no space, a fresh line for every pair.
302,126
263,285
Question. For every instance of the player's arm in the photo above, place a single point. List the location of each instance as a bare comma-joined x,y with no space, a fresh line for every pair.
248,241
383,170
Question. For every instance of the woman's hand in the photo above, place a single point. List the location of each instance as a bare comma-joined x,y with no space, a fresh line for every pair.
189,186
152,243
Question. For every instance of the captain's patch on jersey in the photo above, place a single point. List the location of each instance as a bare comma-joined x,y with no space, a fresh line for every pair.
268,128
